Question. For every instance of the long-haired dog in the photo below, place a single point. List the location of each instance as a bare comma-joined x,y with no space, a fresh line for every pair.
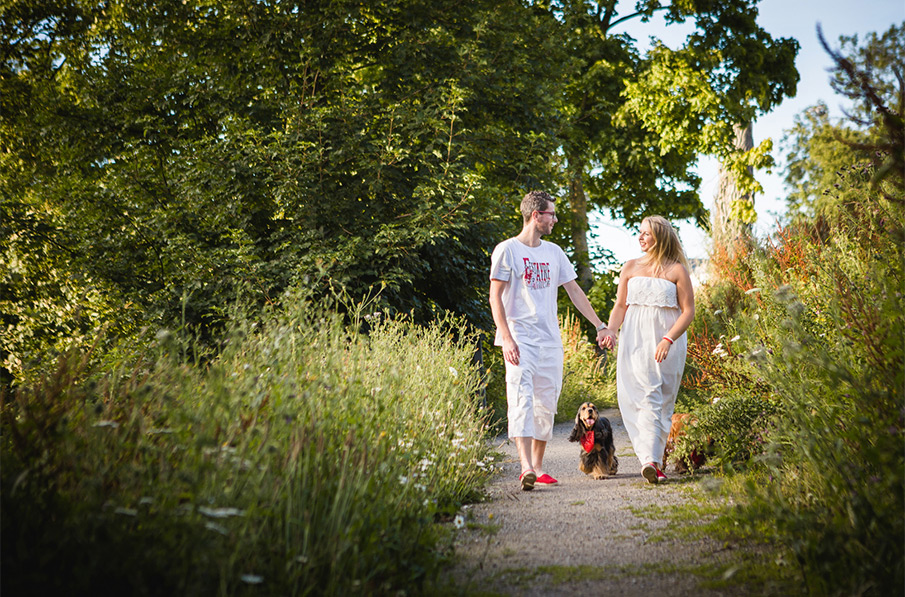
677,430
598,453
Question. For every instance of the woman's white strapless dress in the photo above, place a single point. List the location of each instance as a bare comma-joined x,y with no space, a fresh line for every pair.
647,389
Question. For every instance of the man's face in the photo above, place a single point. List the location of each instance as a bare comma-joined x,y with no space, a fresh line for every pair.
546,219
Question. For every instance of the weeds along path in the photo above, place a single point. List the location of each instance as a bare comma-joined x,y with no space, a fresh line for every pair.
584,536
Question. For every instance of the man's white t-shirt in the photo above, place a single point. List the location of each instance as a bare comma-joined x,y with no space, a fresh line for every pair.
534,275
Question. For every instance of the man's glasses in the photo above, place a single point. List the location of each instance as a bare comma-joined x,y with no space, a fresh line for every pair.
549,213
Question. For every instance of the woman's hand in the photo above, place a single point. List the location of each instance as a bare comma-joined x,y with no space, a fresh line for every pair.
662,349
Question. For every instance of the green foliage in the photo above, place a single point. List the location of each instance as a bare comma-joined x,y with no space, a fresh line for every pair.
729,431
816,323
838,367
163,160
672,103
819,149
304,459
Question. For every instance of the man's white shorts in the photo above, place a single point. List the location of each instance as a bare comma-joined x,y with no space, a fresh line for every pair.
532,391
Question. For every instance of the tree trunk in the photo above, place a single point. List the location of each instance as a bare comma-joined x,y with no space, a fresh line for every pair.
727,232
578,206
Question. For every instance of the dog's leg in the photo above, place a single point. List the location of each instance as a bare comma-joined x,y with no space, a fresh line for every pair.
599,467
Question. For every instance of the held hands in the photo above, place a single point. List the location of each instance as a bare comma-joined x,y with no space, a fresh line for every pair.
606,339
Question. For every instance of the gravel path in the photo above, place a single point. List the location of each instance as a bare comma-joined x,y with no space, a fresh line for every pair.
579,537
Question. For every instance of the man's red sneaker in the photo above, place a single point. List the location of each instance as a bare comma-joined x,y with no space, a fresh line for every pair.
649,471
546,479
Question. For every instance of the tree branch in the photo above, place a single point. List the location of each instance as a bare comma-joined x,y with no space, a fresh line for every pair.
632,16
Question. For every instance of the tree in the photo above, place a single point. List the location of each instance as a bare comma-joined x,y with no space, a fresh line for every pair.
820,149
634,125
178,156
728,227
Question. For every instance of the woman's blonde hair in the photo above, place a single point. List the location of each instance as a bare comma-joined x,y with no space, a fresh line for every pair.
667,248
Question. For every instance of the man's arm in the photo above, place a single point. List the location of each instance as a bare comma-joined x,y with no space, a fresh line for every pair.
581,302
510,348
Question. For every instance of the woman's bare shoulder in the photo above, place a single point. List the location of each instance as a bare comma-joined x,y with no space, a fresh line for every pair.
630,265
675,271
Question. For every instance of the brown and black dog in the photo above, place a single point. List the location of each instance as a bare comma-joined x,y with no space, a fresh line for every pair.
598,453
677,430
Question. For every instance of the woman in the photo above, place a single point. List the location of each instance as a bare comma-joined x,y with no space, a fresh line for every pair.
654,306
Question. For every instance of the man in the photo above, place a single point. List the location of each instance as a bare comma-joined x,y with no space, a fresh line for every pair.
525,275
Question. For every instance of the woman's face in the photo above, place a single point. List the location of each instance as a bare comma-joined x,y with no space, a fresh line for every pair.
646,238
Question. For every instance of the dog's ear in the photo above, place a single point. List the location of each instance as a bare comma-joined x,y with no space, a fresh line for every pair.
577,431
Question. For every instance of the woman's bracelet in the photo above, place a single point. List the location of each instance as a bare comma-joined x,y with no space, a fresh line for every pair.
668,339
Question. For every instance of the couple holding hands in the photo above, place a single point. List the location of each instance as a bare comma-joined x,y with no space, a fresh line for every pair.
654,306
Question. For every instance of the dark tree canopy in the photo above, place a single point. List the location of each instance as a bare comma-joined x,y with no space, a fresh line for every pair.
176,156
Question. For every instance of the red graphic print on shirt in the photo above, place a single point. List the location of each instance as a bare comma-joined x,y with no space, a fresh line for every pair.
537,275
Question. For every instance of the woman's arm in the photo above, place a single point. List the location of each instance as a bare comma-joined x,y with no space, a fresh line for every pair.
685,296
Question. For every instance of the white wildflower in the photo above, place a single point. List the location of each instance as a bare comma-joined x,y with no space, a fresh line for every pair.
459,521
220,512
454,372
217,528
252,579
403,480
736,338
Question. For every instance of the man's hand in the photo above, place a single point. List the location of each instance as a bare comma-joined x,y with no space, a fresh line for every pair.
510,351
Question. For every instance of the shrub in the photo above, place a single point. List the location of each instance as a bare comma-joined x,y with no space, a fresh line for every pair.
821,341
729,431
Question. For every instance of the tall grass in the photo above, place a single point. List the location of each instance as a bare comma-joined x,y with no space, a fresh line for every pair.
304,459
817,322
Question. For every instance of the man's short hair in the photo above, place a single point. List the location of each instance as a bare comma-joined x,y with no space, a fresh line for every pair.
535,201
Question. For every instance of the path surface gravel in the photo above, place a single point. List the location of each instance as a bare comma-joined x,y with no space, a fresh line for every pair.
581,536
